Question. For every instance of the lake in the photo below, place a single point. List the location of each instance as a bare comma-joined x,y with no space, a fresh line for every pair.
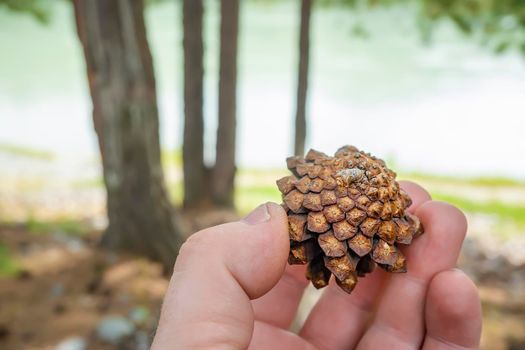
452,107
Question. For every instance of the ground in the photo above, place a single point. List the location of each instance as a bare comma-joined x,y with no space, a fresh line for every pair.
66,285
57,285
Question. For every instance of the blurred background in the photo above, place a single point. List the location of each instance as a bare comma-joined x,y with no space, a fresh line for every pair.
126,126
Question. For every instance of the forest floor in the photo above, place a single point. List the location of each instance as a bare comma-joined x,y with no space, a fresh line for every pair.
65,291
57,287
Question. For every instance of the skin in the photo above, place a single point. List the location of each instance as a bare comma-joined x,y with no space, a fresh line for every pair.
232,289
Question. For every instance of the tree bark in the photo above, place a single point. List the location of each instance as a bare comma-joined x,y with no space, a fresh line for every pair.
224,170
195,189
122,85
302,81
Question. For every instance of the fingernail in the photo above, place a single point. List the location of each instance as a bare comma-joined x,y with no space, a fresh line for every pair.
258,215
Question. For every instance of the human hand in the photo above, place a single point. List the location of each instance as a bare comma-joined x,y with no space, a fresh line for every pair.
232,289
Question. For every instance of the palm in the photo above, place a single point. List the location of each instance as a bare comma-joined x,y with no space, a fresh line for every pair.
421,308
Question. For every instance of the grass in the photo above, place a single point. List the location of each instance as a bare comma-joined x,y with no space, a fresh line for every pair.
8,266
176,192
246,197
249,194
484,181
66,226
171,158
26,152
255,186
249,197
504,211
87,183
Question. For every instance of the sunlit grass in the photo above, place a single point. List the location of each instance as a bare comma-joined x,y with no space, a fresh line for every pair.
171,158
87,183
484,181
176,192
249,197
246,197
65,226
256,186
8,266
503,211
26,152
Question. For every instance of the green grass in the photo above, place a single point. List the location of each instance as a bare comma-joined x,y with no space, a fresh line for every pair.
87,183
171,158
26,152
249,197
66,226
246,197
8,266
504,211
274,172
256,186
485,181
176,192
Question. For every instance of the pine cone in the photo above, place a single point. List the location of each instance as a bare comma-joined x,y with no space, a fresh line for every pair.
346,214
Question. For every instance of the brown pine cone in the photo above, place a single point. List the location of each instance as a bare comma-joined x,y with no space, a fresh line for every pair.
346,214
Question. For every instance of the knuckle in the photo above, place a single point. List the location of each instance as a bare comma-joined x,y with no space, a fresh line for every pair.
195,244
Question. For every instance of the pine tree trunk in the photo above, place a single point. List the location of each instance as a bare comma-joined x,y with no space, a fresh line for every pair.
224,170
195,189
302,81
122,85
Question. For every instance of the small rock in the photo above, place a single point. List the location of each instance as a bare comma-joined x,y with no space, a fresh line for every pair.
73,343
142,341
59,308
4,332
24,275
139,315
93,285
113,329
57,290
75,245
27,336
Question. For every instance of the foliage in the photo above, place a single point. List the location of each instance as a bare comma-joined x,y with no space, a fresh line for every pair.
39,9
499,23
156,2
359,3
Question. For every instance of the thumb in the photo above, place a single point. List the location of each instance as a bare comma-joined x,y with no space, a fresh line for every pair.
218,271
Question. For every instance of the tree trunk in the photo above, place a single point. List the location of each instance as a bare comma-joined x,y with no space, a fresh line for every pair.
302,81
195,189
224,170
122,85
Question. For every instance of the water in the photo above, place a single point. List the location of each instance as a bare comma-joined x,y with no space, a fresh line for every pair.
452,107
